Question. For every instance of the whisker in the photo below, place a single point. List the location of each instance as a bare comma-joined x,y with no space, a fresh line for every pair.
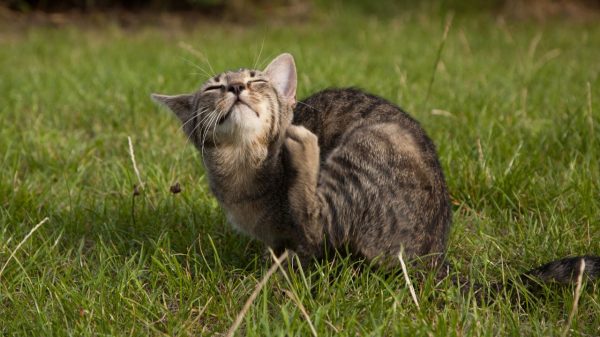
262,44
310,106
207,117
263,64
197,73
192,132
205,133
196,53
196,115
188,141
217,119
209,121
206,73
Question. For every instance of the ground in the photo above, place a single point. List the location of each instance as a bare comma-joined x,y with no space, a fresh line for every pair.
513,107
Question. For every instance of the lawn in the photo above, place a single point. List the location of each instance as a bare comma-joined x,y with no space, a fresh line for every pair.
513,106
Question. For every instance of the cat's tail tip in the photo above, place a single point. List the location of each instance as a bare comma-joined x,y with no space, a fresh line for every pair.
567,270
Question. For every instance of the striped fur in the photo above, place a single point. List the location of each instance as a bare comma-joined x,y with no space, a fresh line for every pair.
380,186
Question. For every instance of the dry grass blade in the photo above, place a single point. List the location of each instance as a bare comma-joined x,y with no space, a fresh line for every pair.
293,296
259,286
12,255
410,286
135,168
576,299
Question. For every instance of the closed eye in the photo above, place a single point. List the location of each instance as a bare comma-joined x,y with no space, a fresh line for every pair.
257,82
215,87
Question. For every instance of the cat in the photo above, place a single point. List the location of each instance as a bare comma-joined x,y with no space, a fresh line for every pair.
342,170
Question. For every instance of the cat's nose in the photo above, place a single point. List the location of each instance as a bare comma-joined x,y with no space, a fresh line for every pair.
236,88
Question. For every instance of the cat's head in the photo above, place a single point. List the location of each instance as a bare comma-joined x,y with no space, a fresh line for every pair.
239,107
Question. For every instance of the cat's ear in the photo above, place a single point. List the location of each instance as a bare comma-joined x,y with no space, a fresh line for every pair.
181,105
282,74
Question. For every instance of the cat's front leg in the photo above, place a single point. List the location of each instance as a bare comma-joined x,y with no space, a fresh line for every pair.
303,150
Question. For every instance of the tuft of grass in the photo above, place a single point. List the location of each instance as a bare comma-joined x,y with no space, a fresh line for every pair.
514,111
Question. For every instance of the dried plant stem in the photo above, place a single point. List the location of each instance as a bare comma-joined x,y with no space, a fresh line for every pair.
135,168
259,286
576,299
12,255
410,286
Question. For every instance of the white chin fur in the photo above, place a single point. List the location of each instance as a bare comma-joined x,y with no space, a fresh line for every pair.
242,123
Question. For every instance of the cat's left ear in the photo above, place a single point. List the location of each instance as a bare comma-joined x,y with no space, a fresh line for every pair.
181,105
282,74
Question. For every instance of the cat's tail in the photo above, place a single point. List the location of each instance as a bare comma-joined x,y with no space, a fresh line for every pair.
564,271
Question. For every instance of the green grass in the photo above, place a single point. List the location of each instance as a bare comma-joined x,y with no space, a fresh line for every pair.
508,110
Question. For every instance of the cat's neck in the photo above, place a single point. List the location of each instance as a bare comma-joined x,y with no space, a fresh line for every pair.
239,171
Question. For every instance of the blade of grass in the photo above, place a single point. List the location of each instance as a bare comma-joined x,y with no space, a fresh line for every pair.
293,295
12,255
240,316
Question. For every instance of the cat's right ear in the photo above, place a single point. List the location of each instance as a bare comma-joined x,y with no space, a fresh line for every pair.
181,105
282,73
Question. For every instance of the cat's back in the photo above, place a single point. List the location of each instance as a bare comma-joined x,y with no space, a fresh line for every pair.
334,112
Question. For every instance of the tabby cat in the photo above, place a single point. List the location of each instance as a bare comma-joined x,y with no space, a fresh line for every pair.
342,170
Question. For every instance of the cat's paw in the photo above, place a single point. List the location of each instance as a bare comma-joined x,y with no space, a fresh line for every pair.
303,147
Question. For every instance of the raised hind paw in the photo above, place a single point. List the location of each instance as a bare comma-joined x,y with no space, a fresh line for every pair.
303,148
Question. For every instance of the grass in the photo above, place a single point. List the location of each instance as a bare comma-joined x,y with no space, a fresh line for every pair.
514,109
